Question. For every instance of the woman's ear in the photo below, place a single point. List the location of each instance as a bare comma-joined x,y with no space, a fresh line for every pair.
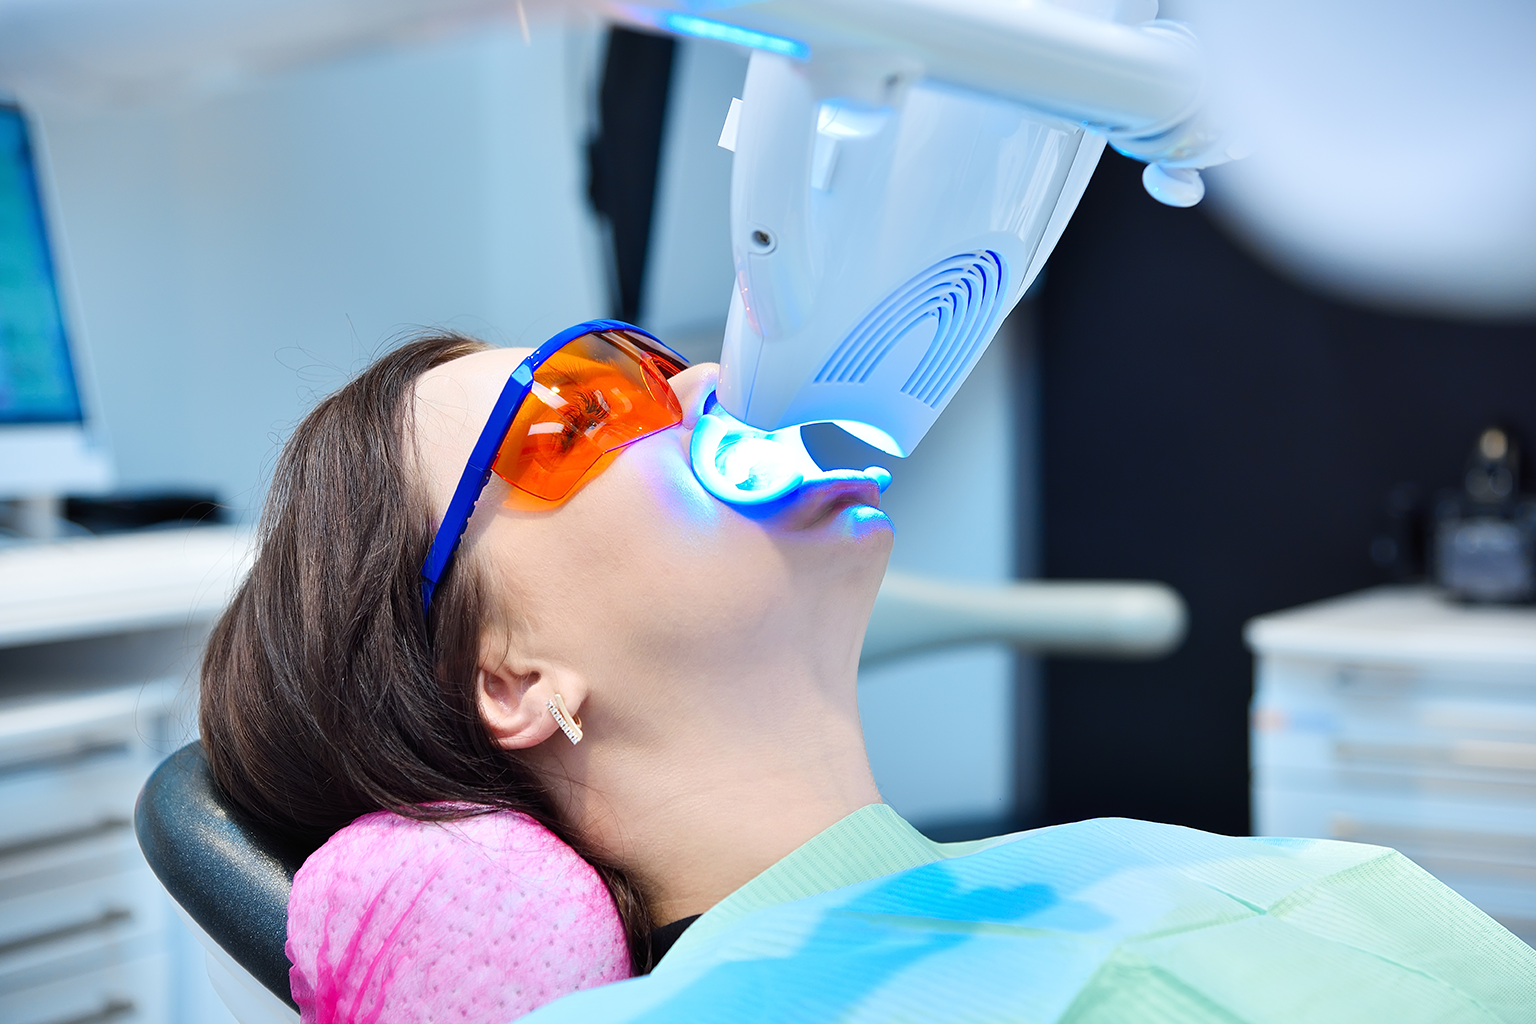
514,704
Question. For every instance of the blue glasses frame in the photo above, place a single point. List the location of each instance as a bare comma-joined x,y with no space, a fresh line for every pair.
477,473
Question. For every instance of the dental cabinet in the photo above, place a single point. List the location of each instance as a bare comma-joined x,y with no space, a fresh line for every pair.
1397,717
98,643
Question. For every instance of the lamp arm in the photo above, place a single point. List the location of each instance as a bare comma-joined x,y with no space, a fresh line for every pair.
1120,620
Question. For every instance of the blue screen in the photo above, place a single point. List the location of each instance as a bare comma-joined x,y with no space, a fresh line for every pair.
37,380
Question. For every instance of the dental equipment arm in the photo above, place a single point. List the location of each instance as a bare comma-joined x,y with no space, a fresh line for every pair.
1114,77
1101,620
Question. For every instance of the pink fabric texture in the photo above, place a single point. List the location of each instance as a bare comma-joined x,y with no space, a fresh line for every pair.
475,921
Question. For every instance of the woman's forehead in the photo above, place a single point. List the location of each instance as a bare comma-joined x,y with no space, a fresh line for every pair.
465,388
452,403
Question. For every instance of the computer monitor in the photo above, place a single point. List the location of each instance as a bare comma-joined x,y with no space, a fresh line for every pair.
48,444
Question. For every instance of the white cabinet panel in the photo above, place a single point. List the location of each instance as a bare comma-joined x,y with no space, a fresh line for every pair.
1396,718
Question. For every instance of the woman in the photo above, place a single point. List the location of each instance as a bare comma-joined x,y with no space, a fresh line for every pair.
667,682
709,655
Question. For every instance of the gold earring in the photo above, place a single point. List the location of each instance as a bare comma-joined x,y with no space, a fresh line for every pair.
568,723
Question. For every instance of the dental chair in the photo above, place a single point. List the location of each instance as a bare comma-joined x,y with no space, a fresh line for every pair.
229,878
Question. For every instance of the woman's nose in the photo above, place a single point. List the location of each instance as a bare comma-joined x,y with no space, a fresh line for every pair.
693,387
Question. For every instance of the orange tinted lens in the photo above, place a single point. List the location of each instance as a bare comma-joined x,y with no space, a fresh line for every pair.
597,393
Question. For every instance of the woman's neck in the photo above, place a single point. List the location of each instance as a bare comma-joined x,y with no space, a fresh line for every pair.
699,799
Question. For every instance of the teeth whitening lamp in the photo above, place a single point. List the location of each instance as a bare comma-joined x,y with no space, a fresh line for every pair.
903,168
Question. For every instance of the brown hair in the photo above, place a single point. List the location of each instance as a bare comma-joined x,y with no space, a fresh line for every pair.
326,694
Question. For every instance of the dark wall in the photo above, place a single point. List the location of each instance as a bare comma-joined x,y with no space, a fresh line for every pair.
624,158
1207,423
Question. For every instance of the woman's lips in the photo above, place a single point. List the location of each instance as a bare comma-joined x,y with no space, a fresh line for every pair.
821,499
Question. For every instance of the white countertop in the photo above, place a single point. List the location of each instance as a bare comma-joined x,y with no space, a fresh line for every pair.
91,586
1401,624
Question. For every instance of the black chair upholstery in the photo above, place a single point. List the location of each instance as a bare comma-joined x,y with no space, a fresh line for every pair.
229,873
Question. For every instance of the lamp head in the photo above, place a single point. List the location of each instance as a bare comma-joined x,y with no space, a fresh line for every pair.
882,231
903,169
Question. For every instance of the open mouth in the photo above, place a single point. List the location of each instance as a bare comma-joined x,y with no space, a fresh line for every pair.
817,501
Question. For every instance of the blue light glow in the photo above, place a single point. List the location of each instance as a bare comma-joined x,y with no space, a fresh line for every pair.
872,436
744,466
705,28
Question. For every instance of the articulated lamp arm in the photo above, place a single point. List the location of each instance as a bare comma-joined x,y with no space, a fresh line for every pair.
1119,620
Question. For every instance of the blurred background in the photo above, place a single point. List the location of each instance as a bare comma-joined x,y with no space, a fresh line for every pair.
1264,401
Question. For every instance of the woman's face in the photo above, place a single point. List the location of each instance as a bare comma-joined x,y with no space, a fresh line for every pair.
641,574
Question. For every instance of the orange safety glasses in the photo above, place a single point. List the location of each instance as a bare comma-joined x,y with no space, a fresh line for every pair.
588,391
594,395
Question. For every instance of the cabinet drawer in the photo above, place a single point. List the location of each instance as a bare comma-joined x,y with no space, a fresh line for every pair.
71,854
56,922
134,991
46,795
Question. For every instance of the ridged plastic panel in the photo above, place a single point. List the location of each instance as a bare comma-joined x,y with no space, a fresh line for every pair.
962,293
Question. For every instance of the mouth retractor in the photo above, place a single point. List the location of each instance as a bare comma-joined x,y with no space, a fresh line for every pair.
742,465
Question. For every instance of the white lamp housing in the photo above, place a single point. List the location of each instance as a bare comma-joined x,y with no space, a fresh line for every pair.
881,234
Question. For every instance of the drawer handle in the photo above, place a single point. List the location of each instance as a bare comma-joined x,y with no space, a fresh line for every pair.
106,919
112,1009
75,835
83,754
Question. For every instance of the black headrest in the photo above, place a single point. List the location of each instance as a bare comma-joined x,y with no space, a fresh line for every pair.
231,874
